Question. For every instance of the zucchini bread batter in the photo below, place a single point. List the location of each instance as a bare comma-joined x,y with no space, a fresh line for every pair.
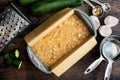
61,40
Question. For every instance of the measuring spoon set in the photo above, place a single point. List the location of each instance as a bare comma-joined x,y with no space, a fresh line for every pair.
100,8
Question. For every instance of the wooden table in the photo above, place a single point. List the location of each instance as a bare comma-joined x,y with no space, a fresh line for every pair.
29,72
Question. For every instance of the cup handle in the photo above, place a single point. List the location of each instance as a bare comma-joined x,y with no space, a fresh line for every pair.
93,65
108,70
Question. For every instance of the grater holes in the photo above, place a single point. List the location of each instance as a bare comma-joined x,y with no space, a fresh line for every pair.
6,19
4,24
9,30
13,20
8,22
12,12
14,28
11,38
2,29
12,25
3,38
8,9
10,17
6,40
2,16
2,42
15,15
22,22
1,22
7,14
6,27
18,18
20,27
5,33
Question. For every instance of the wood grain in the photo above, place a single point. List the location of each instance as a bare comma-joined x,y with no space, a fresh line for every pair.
29,72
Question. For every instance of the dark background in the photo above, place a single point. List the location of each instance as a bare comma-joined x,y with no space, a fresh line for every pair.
29,72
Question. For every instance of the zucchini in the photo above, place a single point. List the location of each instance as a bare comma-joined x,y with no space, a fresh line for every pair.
41,7
17,63
14,54
8,61
17,53
13,58
7,56
25,2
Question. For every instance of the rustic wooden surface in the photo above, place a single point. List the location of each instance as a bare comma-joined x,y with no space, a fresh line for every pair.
29,72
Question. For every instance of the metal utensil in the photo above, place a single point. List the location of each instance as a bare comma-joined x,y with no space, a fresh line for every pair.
96,10
106,6
110,51
94,64
12,23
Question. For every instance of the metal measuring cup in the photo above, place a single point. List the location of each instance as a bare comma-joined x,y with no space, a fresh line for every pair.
107,55
112,54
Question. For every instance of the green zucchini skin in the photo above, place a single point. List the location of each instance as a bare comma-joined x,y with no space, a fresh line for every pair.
17,63
12,54
25,2
40,7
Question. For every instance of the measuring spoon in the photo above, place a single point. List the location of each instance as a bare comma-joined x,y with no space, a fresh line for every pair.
96,10
106,6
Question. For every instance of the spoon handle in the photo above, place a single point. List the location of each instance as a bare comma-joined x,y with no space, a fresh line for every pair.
108,70
96,1
89,3
93,65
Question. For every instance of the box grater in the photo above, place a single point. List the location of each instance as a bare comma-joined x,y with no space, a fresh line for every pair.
12,23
